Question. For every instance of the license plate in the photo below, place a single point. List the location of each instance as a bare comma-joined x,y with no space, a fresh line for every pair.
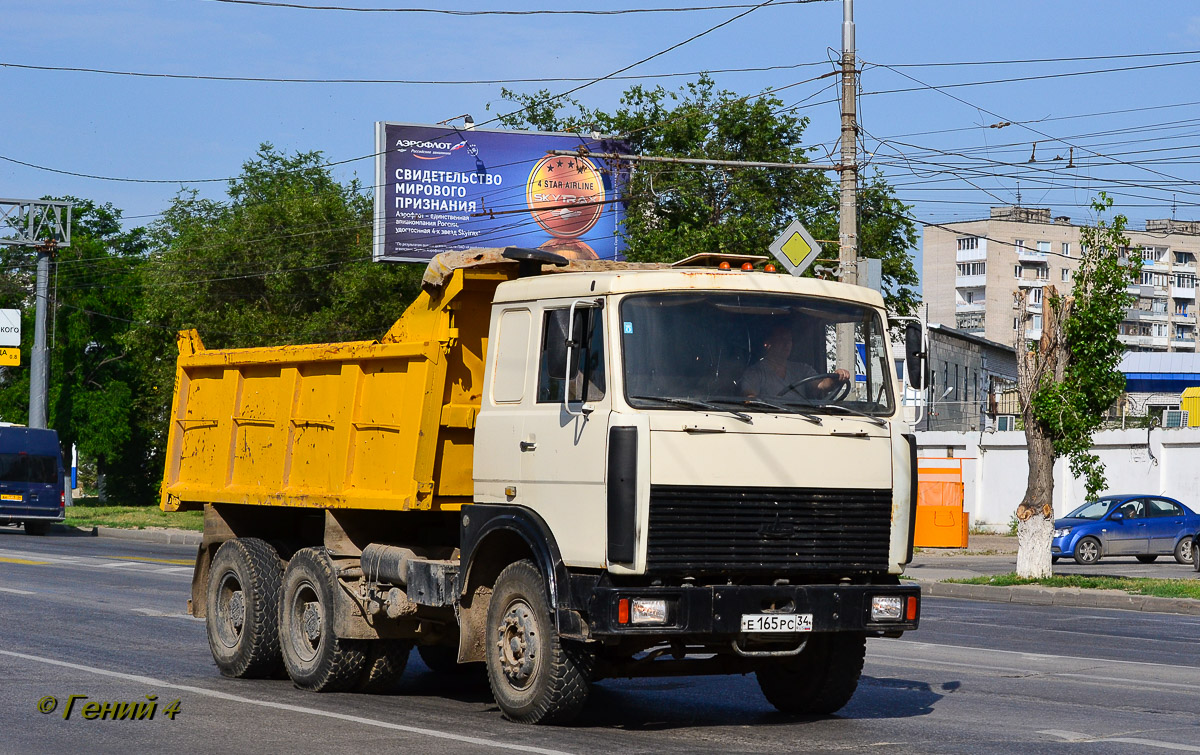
776,622
11,497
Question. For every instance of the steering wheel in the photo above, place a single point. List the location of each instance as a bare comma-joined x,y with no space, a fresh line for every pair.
839,391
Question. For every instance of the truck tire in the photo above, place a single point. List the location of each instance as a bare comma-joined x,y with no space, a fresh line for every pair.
385,664
535,676
819,681
243,609
37,528
315,658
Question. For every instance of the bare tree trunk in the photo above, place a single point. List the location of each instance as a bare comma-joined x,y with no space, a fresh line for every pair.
1035,514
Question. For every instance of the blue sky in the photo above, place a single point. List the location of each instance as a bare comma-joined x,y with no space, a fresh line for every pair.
177,130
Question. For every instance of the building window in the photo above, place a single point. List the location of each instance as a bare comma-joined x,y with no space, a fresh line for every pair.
1018,270
972,268
968,243
1015,323
1035,296
1066,274
1035,322
1185,281
1042,273
970,297
1066,249
1043,247
1019,244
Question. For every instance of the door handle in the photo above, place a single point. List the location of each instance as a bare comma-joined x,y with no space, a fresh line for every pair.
528,445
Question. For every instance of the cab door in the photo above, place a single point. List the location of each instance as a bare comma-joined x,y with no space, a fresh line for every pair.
565,429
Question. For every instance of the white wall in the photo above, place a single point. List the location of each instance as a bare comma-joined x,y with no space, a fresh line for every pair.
995,468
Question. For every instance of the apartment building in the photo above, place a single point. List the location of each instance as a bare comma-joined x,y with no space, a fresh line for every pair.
973,270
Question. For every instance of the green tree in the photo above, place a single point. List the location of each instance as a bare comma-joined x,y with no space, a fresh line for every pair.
286,258
1069,378
93,379
674,211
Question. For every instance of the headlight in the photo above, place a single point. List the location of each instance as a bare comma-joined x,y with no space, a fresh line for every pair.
1062,532
886,607
641,611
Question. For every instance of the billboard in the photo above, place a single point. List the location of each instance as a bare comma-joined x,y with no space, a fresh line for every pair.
443,188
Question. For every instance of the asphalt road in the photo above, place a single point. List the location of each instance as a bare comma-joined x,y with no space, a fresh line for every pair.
105,618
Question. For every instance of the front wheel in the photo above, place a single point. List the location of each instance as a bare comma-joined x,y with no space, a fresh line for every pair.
1184,552
1147,559
316,659
536,677
819,681
1196,553
1087,551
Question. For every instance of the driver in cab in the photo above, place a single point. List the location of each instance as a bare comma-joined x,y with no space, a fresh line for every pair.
774,375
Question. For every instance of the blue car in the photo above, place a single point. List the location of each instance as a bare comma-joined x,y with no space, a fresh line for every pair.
1143,526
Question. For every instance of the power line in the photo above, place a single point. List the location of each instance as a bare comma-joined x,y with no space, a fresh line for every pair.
539,12
432,82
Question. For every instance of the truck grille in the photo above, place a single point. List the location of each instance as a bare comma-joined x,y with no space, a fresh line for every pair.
707,529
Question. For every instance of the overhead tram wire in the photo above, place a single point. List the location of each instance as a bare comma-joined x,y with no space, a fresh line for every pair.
421,82
537,12
1027,127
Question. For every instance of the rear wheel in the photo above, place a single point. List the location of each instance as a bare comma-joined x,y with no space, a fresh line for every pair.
536,677
1087,551
819,681
1184,552
385,664
1196,553
37,528
1147,559
242,608
316,659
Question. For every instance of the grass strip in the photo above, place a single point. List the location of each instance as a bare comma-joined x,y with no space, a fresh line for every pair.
1158,588
89,513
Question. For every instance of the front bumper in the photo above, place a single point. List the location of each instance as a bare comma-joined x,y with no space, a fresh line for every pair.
718,610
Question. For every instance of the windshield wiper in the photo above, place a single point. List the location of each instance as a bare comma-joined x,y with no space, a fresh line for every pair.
848,410
778,408
697,404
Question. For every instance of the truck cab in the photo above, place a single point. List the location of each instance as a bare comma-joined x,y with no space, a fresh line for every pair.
688,499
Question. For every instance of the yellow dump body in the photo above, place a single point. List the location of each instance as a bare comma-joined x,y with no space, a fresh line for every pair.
385,424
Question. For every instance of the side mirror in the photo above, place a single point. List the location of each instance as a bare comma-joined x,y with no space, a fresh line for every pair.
914,354
1117,516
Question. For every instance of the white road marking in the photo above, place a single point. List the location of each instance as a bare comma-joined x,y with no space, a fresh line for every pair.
1074,736
150,681
16,591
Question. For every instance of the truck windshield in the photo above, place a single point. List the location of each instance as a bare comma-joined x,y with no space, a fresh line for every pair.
27,468
754,352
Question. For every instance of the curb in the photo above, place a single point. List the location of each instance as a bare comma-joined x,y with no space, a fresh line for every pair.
161,537
1063,596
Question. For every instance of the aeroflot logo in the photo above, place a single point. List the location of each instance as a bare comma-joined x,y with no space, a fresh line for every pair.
423,150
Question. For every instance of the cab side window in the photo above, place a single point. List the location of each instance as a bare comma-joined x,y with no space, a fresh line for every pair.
586,382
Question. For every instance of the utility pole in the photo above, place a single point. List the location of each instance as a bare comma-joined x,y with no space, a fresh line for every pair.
39,360
848,217
46,226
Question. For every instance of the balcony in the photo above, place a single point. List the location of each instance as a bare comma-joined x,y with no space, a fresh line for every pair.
1033,334
1031,255
1184,317
973,255
975,306
970,281
1188,344
1183,293
1031,282
1034,308
1153,315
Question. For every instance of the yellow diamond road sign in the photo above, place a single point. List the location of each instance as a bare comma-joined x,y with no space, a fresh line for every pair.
795,248
10,357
